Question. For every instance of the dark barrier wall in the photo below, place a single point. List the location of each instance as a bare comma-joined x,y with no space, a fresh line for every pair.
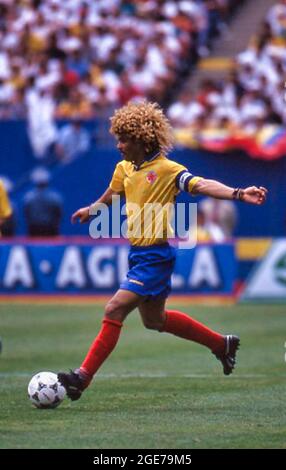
16,155
85,179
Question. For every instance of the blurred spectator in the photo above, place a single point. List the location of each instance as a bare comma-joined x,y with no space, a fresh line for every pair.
208,230
42,207
41,125
5,206
276,18
8,227
127,91
221,213
76,105
185,111
73,141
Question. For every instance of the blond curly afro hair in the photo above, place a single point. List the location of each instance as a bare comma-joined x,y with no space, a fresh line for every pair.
144,122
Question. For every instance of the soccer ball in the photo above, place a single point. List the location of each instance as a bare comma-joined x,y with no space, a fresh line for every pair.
45,391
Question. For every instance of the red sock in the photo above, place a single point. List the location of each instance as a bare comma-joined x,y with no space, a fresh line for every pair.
180,324
101,347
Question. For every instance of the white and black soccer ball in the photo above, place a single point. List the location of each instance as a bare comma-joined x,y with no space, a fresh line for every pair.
45,391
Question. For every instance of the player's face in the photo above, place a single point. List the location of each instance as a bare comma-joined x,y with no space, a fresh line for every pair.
130,149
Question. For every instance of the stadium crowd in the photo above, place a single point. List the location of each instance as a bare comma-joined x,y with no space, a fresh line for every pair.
78,57
251,96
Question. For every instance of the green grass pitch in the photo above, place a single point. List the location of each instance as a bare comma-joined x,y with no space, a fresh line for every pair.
155,391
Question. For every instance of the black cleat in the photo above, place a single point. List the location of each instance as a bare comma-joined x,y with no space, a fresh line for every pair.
227,357
73,384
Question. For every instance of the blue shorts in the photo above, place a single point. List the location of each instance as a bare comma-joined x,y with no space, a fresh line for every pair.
150,270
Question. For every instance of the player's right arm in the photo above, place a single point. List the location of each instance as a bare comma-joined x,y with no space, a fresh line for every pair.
115,188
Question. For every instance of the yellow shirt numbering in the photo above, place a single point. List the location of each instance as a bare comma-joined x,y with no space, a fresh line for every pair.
150,193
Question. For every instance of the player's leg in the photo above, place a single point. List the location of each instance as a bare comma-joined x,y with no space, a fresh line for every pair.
153,313
155,316
117,309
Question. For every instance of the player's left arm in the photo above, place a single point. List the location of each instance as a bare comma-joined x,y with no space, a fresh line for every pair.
217,190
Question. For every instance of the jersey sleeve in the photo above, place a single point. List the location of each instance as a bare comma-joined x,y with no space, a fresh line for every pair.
185,181
5,208
117,181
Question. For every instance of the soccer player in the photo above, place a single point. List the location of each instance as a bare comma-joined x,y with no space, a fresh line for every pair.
147,176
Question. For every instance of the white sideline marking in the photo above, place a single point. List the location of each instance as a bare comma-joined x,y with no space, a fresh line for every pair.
149,376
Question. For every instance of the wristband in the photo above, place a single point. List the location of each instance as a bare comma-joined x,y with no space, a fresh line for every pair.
238,194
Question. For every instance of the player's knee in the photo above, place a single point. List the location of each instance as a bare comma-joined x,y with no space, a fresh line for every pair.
153,324
114,310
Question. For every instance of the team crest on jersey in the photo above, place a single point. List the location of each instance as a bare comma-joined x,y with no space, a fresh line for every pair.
151,177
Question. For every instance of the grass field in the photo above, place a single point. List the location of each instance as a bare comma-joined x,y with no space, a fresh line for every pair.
155,391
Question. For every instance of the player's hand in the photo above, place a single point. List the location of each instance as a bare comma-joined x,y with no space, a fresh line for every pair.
81,214
254,195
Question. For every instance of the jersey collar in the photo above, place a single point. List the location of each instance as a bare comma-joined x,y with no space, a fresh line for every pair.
147,159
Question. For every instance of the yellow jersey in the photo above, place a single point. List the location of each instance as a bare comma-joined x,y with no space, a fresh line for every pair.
150,192
5,208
